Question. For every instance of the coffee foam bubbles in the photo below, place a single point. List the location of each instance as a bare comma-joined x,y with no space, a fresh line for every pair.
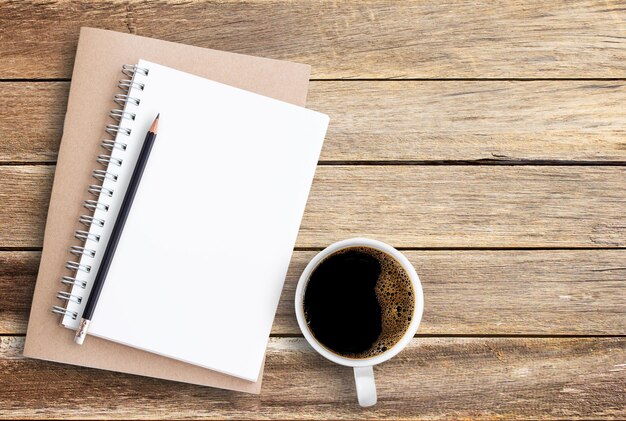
396,297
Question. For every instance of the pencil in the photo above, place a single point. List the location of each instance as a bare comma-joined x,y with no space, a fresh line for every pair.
116,233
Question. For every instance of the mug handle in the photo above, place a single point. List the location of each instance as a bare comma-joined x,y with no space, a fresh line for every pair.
365,385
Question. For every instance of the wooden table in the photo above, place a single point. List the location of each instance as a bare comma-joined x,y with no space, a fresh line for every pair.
486,141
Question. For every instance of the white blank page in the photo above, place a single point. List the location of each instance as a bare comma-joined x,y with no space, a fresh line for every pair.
201,263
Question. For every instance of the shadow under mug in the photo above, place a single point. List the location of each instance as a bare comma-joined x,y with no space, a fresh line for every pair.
363,367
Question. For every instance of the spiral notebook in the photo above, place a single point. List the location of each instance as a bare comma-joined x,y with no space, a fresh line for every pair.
99,59
208,240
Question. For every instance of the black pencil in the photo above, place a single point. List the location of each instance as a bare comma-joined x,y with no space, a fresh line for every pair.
116,233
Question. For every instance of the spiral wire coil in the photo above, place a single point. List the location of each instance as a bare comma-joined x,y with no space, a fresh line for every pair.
119,115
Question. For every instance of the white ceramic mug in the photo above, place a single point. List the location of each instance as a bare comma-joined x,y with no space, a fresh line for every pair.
363,368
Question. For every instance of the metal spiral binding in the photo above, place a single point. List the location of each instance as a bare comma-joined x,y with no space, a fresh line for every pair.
108,159
77,266
68,280
69,297
113,129
129,84
121,117
94,204
122,99
90,220
102,175
79,251
86,236
64,312
97,189
130,70
109,145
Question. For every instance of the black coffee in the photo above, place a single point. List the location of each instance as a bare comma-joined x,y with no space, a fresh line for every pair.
359,302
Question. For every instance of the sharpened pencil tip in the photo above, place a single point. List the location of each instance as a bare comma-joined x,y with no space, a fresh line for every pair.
155,124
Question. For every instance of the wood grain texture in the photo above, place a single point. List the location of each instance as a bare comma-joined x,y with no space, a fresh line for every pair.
567,292
365,39
398,120
468,292
409,206
18,273
24,196
473,121
434,378
31,120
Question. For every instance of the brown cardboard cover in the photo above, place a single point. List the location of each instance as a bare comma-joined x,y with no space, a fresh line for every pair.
97,68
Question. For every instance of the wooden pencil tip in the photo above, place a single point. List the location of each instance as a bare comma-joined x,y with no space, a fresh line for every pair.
155,124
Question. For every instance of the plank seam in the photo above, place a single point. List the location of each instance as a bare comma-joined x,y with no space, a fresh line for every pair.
479,162
486,248
469,249
469,79
488,162
388,79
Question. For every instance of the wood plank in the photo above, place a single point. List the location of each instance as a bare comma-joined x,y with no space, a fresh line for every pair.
473,121
434,378
414,206
564,292
18,273
398,120
24,196
367,39
409,206
31,120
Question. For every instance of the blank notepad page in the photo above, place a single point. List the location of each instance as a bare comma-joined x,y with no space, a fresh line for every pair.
201,263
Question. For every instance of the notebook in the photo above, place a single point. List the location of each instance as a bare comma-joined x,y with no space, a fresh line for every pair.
99,58
208,240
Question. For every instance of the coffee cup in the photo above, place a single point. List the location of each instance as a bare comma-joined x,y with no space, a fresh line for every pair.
347,271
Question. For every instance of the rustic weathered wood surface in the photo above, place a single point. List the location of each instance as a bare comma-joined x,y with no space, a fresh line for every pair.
468,121
468,292
499,168
482,378
432,206
355,39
